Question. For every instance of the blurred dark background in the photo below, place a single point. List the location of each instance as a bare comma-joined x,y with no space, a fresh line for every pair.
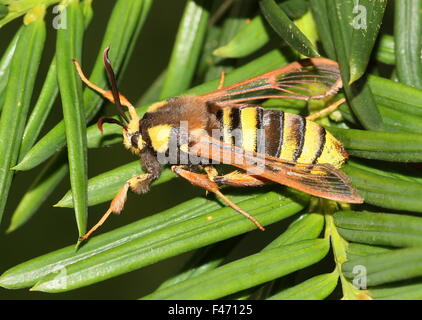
53,228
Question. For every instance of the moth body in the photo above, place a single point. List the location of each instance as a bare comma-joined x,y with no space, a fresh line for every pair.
192,133
275,133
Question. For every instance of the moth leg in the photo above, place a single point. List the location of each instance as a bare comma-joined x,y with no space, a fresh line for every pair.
137,184
108,94
240,179
211,172
326,110
202,180
105,93
221,83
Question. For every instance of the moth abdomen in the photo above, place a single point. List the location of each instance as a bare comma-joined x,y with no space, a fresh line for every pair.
278,134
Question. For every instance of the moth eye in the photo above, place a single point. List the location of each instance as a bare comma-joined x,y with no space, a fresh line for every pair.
134,140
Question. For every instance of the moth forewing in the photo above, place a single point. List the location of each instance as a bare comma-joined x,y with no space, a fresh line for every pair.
314,78
321,180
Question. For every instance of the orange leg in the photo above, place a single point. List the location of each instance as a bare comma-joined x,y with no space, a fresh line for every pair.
211,172
221,83
202,180
326,110
118,202
239,179
106,93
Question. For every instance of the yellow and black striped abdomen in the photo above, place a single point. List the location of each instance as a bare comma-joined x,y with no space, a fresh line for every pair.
283,135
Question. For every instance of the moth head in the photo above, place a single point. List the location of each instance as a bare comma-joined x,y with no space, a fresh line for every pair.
132,138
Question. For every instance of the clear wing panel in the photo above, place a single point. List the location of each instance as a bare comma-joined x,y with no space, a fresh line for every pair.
314,78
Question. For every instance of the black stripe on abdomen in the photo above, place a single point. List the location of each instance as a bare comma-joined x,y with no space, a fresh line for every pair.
260,132
236,127
322,140
219,116
273,124
299,127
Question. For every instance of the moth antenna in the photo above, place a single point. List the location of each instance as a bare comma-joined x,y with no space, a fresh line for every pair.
115,91
113,83
108,120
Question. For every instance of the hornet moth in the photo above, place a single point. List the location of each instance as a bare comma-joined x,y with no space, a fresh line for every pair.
224,127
